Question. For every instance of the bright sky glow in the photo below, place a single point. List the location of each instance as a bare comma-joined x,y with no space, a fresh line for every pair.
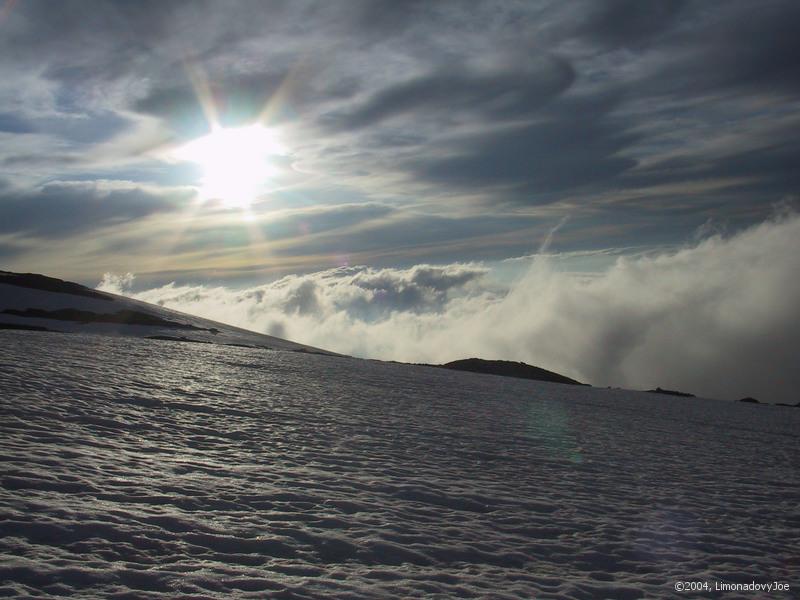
236,162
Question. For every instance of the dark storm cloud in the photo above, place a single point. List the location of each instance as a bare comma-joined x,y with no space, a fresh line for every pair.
627,23
57,22
86,129
40,159
10,123
387,16
80,43
565,152
744,49
496,95
767,168
65,209
240,98
774,166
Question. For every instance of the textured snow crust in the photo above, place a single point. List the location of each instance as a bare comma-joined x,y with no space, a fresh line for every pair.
140,468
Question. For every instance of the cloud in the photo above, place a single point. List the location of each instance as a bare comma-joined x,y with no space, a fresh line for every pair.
299,231
565,151
497,94
67,208
11,123
241,98
360,292
717,318
628,23
737,50
116,284
758,164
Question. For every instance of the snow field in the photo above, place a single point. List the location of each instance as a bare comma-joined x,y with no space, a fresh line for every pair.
144,468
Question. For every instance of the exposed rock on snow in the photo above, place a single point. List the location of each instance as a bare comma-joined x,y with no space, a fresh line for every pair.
23,327
659,390
121,317
508,369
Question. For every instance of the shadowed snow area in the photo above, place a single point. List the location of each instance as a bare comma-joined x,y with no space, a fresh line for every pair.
143,468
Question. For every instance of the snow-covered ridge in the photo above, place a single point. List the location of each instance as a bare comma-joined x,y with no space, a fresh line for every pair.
36,302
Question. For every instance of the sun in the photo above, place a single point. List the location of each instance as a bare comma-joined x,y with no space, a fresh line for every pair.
236,162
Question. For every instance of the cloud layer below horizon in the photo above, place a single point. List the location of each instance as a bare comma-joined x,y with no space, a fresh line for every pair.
717,318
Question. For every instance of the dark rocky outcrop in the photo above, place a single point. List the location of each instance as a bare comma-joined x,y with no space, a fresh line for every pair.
51,284
659,390
750,400
22,327
508,369
122,317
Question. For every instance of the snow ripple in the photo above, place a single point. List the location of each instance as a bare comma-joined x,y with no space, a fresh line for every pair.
138,468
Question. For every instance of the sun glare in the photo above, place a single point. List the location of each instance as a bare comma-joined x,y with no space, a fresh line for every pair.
235,162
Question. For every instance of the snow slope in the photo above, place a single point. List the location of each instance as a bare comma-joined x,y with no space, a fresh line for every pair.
187,327
141,468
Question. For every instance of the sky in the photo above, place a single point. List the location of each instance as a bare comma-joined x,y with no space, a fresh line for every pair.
324,170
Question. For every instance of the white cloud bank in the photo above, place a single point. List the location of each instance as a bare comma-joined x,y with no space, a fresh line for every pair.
719,318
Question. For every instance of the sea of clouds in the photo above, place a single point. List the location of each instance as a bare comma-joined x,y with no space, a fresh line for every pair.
718,318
